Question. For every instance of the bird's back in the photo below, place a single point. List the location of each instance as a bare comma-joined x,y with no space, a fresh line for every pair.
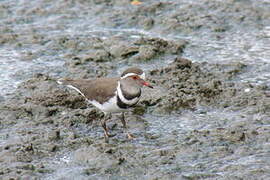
100,89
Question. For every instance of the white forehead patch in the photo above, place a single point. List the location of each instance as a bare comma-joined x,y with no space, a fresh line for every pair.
128,74
142,76
133,74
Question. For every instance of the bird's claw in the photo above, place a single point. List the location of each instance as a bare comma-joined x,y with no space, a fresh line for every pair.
130,136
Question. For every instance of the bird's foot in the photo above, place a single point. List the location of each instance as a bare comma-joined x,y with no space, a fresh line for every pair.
130,136
111,135
107,137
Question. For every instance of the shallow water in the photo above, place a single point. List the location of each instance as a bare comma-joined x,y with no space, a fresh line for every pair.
249,48
14,70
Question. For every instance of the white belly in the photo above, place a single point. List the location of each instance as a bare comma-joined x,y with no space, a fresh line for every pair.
111,105
108,107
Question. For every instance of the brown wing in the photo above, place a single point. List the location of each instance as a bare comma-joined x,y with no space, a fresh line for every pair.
101,89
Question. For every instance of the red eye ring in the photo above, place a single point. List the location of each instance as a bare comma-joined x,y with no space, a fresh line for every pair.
135,77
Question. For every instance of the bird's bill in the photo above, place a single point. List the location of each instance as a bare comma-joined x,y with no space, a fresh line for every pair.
147,84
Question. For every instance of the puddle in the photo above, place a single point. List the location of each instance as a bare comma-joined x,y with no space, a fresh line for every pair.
14,70
9,64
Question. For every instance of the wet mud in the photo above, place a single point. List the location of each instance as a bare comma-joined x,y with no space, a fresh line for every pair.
202,120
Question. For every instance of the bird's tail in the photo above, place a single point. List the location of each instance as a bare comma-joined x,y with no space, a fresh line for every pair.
63,81
69,83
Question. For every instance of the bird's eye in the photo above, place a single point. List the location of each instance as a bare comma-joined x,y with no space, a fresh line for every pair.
135,77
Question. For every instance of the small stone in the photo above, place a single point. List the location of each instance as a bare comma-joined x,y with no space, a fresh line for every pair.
54,135
247,90
52,147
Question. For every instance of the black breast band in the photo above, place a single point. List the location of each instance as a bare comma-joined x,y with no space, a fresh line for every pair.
123,105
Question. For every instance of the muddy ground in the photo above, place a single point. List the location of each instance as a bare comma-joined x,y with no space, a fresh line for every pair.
201,121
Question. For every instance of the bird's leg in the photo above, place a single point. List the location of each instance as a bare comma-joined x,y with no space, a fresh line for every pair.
104,126
130,136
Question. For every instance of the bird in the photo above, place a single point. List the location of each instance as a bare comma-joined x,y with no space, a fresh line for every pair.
111,94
